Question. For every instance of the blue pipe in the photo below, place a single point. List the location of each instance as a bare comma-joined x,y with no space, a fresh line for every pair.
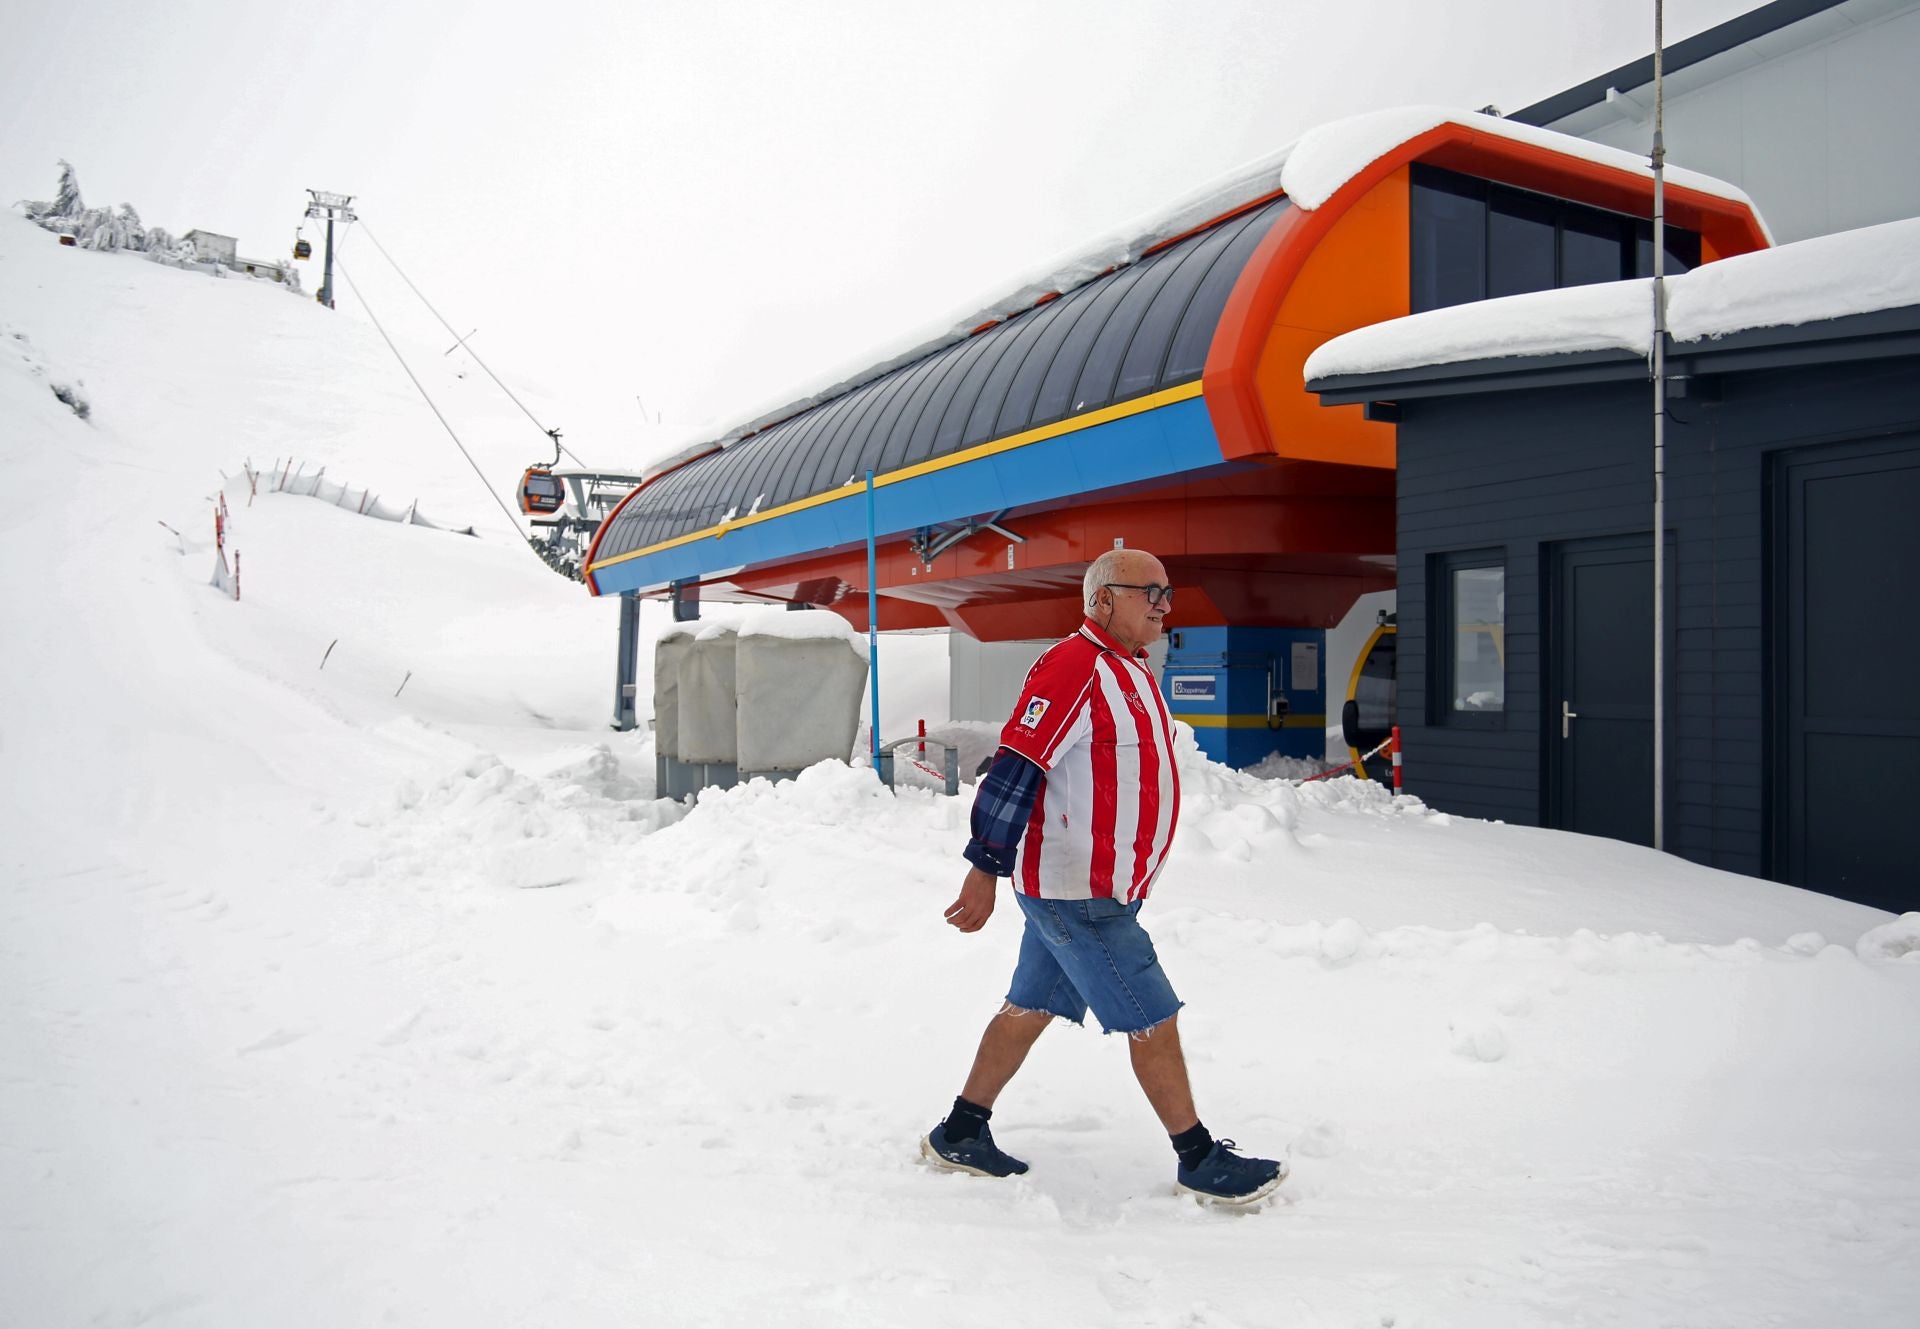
873,628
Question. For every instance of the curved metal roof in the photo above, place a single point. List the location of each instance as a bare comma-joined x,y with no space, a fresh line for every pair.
1135,331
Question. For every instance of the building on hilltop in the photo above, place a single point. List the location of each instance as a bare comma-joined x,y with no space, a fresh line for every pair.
212,247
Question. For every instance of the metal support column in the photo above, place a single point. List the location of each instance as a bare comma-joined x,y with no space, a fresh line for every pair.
626,666
329,206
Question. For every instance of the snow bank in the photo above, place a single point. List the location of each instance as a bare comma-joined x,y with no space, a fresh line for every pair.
1830,276
1898,940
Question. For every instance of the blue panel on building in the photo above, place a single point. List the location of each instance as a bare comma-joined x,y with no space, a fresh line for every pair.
1163,442
1249,693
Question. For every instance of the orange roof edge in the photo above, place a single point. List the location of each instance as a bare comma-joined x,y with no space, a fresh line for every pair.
1728,226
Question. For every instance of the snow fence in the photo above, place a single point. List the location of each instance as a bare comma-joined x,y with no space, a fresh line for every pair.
768,696
291,478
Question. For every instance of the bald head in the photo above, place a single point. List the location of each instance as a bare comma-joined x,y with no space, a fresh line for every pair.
1114,601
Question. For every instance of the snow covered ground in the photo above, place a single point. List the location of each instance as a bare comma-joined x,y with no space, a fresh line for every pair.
328,1006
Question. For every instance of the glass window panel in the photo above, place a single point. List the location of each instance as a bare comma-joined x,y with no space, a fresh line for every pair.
1683,250
1520,243
1479,599
1591,248
1448,221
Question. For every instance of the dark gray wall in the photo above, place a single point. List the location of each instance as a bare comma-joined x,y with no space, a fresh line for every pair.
1517,471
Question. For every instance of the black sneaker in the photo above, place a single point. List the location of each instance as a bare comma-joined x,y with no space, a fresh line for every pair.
1226,1178
979,1156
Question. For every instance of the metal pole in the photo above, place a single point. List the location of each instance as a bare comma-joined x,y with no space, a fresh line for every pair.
1659,434
326,283
626,659
873,630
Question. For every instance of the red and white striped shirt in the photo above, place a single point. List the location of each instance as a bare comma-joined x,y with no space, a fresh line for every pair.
1091,717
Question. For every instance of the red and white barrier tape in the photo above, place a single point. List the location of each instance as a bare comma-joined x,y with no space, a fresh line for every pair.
1350,765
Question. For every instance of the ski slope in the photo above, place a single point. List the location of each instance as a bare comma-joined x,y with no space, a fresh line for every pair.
333,1006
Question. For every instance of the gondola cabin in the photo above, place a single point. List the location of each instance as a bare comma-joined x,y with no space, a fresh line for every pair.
302,249
1367,719
540,492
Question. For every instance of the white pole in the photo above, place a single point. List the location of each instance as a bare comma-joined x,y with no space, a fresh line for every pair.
1659,435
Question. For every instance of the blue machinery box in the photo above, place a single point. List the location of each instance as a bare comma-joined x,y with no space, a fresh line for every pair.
1249,692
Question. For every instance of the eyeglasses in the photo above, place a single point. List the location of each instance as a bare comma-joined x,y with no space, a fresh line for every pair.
1156,593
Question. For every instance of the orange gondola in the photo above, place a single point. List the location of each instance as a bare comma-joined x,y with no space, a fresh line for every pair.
540,491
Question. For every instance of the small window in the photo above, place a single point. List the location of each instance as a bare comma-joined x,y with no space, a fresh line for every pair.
1471,622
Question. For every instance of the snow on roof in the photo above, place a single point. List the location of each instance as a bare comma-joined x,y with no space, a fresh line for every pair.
1309,172
769,621
1326,158
814,625
1809,281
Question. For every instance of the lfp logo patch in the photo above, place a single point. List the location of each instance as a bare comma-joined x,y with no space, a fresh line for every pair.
1030,718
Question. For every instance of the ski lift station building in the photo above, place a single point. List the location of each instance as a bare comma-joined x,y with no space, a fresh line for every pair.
1157,402
1154,393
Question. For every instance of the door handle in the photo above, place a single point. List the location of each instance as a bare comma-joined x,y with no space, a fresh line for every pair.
1567,716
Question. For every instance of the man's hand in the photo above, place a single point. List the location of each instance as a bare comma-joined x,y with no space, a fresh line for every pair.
975,906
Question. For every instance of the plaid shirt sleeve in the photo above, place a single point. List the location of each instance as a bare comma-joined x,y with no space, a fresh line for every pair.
1000,811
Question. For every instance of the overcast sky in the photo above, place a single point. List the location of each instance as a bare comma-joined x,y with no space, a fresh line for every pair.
708,206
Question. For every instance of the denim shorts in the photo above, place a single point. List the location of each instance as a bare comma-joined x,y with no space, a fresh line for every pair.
1077,954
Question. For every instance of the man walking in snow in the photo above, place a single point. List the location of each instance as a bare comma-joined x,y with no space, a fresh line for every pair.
1079,808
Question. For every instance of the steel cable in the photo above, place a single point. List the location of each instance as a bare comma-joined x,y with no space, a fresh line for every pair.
375,242
361,297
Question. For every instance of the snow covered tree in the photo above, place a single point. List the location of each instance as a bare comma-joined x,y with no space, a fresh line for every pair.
66,214
94,228
66,200
133,232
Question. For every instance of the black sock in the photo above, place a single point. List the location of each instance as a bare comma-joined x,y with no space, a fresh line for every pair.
1193,1145
965,1121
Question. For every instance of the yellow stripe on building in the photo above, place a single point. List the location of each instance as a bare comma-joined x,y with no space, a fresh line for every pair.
1105,415
1255,720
